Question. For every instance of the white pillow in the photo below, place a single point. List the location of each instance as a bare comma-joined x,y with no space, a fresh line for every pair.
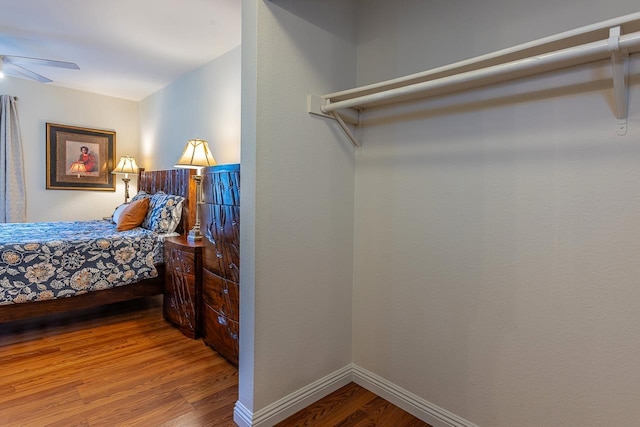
118,212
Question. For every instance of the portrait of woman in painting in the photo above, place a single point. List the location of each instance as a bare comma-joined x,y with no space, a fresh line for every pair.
84,163
87,159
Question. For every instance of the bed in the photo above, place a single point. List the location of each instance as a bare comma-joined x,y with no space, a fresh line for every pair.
146,280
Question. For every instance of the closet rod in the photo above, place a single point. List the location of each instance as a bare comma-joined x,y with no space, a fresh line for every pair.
550,61
585,34
595,42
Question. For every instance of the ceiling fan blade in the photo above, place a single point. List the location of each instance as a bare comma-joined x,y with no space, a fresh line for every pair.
20,71
39,61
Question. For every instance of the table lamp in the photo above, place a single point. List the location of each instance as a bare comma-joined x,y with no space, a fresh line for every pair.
126,165
196,155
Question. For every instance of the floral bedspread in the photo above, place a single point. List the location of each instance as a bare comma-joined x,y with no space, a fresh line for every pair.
47,260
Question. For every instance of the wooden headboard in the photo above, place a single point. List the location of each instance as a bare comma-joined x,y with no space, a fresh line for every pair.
173,181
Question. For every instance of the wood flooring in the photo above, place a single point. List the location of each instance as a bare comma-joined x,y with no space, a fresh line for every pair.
352,406
124,365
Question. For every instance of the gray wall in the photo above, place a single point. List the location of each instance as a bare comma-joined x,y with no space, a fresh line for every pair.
496,270
204,103
297,268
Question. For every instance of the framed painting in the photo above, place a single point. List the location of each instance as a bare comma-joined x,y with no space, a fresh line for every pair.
80,158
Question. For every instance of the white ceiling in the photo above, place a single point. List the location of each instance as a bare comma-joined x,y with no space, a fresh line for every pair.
124,48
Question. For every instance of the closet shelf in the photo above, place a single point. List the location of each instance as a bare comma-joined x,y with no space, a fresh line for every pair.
613,39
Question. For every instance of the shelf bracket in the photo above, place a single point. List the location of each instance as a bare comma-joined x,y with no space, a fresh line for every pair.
619,73
348,115
346,129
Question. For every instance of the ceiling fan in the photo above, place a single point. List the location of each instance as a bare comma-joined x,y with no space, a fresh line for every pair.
14,66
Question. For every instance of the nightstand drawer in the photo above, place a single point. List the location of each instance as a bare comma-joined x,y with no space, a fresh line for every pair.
221,333
222,187
221,230
183,285
180,261
221,294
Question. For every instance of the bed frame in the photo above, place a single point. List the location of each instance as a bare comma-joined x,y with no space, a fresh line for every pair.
173,181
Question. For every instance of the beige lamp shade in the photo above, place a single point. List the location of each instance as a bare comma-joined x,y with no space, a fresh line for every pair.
196,155
126,165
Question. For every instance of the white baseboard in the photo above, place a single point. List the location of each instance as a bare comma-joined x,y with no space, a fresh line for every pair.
241,415
404,399
294,402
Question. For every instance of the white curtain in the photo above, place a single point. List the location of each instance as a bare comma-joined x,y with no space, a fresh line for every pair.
13,200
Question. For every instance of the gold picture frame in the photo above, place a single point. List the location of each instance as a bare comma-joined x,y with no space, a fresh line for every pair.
80,158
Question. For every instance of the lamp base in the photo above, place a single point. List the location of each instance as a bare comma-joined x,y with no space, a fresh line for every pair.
126,188
194,234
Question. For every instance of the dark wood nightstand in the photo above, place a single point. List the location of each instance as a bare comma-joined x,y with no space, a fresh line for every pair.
183,284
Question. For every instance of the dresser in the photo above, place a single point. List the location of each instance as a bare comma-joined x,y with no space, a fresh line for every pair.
220,226
183,284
